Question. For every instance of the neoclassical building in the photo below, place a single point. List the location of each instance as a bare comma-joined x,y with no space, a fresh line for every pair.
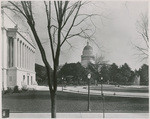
87,55
17,56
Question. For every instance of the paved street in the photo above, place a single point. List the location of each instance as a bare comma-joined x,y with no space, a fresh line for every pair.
80,89
80,115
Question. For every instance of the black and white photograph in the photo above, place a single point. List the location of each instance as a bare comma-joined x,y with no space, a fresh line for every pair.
74,59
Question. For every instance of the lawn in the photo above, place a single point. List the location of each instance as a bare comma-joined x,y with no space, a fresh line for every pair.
39,101
122,88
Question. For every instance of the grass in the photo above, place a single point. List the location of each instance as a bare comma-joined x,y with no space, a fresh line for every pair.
39,101
121,89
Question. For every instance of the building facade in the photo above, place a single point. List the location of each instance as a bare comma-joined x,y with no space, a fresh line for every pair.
17,56
87,55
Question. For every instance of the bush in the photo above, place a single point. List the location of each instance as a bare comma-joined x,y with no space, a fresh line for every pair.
16,90
24,89
9,90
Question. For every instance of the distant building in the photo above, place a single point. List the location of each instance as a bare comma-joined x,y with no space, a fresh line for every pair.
17,63
87,55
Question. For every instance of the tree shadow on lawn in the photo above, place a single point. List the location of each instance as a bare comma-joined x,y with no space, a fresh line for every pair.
39,101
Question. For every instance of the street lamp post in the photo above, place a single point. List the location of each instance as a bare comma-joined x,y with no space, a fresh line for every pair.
102,97
89,77
101,86
62,83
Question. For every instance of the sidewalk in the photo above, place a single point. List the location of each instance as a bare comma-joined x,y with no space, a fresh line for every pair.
80,115
79,89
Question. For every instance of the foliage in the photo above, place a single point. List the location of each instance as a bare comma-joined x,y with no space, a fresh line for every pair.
24,88
111,73
113,70
9,90
75,71
16,89
105,73
125,73
119,75
99,69
143,72
41,74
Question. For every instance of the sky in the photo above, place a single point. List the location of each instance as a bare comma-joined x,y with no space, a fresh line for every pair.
116,32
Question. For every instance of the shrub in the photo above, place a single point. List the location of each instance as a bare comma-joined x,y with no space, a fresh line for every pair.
16,90
9,90
24,88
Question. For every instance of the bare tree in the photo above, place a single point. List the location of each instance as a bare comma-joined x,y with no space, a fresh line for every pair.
61,20
142,29
99,62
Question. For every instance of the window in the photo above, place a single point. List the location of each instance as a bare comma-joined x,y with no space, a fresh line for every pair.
10,52
28,81
31,80
24,77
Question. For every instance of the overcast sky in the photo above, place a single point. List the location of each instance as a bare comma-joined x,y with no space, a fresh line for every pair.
115,32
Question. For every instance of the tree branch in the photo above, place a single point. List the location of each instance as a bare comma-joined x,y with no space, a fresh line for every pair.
78,8
18,9
48,14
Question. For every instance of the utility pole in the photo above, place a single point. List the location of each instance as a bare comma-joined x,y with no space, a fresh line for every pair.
89,77
62,83
103,100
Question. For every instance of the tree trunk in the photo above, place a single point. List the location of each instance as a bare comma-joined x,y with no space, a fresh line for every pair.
53,104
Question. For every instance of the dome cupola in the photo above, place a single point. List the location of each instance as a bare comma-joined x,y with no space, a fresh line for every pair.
87,50
87,55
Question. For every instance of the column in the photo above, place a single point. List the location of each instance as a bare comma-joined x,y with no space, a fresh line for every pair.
15,53
32,60
27,57
24,56
18,52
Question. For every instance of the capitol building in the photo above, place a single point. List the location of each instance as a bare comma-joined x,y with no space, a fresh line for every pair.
17,53
87,56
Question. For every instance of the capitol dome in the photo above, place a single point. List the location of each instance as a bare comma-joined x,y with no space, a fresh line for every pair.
87,55
88,47
87,50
